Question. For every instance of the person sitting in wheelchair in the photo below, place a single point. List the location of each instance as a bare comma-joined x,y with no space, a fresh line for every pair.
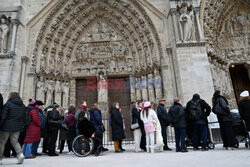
88,131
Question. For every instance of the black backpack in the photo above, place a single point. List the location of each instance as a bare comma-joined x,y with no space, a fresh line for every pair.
195,112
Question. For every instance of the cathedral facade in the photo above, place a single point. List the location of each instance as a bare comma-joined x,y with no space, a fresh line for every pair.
107,51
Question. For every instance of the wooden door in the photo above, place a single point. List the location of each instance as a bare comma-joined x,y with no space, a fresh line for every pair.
121,94
85,92
240,80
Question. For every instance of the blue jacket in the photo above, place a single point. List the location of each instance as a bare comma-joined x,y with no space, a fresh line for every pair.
42,119
96,120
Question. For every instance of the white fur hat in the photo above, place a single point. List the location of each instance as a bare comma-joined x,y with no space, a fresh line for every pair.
244,94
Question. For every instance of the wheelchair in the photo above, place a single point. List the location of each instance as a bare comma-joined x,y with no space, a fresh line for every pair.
83,146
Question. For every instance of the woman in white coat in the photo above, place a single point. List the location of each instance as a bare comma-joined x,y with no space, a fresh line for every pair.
151,122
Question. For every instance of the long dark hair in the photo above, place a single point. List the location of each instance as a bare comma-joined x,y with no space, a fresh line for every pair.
146,110
216,95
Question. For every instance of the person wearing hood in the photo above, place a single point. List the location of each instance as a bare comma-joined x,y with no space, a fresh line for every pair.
197,112
12,120
244,108
221,109
33,131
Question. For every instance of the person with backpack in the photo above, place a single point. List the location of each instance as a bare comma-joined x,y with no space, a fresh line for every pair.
54,120
33,131
164,121
178,117
35,145
12,120
197,112
221,109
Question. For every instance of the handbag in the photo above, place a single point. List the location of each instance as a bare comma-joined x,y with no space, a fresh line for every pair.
135,126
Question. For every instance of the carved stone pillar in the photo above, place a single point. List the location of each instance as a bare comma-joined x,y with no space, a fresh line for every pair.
132,83
144,89
151,91
23,72
103,95
138,90
58,93
157,85
72,91
15,25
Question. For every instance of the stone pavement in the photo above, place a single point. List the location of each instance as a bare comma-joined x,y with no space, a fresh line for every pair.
212,158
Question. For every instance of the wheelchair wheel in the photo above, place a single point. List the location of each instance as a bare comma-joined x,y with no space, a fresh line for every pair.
82,146
210,145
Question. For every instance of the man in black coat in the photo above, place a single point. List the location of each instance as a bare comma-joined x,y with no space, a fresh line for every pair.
202,110
178,116
12,120
54,124
164,121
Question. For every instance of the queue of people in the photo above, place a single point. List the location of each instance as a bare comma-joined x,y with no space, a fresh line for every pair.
22,128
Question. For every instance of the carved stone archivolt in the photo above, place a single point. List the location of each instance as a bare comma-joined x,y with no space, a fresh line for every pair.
226,25
78,35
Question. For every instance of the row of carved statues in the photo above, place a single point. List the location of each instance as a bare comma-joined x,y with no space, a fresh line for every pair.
51,91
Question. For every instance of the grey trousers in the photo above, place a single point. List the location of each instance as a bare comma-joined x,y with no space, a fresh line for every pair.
4,136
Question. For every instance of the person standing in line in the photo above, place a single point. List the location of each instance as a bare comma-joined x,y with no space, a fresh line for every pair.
54,124
96,121
33,131
117,127
45,148
35,145
164,121
177,114
221,109
64,135
244,108
136,123
143,133
82,108
12,120
198,111
71,124
149,116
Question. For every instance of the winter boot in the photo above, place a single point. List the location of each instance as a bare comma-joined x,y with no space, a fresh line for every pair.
20,158
152,149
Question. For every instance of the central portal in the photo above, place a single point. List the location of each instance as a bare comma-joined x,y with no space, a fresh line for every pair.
92,89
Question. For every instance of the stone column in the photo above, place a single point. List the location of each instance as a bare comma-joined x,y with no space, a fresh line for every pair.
157,85
144,88
103,96
132,86
23,72
138,90
72,92
15,23
151,91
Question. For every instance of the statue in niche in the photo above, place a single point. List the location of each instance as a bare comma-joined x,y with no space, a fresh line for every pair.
4,31
58,91
186,21
40,89
65,89
50,89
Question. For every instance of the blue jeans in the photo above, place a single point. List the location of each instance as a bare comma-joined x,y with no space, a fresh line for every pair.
27,149
200,133
35,146
180,135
